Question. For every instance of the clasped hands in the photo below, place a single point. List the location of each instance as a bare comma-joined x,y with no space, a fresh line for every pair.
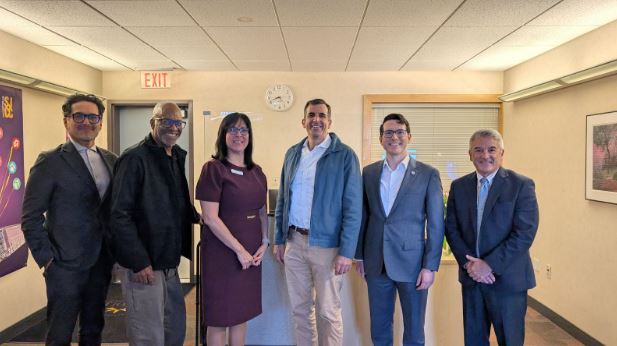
479,270
247,260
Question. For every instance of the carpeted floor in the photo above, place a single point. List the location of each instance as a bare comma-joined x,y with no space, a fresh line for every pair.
115,315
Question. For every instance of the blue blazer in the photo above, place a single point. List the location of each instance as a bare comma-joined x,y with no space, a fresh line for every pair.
411,236
509,225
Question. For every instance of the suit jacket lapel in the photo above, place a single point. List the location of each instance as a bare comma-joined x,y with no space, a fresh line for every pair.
472,191
493,193
74,160
408,179
374,178
109,160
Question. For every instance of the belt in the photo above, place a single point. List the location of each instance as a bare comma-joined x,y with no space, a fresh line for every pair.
303,231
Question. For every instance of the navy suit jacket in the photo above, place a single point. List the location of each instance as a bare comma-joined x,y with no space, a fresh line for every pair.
411,236
509,225
63,216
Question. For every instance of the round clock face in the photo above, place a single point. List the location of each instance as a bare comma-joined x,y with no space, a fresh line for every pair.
279,97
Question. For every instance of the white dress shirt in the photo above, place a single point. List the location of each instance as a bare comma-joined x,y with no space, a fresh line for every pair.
303,184
390,182
490,178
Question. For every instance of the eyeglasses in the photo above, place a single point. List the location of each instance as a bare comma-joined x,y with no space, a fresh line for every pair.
168,123
243,131
79,117
390,133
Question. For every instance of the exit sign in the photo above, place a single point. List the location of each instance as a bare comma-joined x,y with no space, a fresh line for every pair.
155,80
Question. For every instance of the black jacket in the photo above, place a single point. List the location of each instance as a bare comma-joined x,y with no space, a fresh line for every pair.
63,216
146,222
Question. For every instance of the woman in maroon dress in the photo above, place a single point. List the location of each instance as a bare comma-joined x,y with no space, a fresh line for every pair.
232,190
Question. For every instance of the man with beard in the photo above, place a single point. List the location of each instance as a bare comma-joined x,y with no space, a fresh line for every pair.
151,218
491,221
318,216
63,219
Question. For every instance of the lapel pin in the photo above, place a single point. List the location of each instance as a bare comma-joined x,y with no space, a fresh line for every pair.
413,172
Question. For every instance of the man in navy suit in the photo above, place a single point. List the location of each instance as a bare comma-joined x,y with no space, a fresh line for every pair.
399,248
491,221
64,220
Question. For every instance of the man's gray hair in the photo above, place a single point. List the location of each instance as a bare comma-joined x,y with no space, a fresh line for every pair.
483,133
163,108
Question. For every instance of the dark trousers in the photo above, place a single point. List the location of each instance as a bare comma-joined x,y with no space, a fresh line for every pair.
382,295
483,306
73,293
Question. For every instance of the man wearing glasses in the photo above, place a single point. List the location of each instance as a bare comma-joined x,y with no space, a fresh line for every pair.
151,219
318,216
399,248
65,209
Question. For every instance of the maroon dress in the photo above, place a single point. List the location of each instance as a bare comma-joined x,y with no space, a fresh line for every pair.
230,295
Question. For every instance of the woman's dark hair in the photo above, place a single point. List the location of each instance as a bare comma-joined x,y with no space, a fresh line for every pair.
221,144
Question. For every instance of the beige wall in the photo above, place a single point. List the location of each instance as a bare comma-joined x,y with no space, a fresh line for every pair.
23,291
23,57
275,132
545,139
594,48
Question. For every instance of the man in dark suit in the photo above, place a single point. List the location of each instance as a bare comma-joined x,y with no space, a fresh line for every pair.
63,220
492,219
402,232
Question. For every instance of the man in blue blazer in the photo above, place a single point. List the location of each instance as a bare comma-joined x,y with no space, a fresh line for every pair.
402,232
492,219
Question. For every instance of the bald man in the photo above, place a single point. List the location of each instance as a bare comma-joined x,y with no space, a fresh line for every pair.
151,220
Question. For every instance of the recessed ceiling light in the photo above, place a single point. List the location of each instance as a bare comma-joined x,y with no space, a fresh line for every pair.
245,19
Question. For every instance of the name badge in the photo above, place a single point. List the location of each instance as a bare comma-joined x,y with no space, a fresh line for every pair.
235,171
251,216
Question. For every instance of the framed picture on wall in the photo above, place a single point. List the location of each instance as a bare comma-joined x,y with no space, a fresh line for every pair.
601,157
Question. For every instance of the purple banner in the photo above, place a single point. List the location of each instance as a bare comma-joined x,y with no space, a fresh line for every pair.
13,249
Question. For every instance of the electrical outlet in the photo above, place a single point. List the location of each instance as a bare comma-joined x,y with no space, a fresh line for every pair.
549,271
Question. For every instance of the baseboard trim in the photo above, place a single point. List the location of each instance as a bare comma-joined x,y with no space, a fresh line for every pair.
564,324
11,332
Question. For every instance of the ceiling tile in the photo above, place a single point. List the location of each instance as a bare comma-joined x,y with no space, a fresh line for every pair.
87,57
374,65
501,58
451,47
319,44
544,35
318,66
227,13
579,12
255,43
144,13
320,12
29,31
192,53
387,44
498,12
152,65
262,65
172,36
409,12
57,12
207,65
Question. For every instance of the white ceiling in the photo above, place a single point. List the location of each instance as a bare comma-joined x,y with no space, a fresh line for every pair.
303,35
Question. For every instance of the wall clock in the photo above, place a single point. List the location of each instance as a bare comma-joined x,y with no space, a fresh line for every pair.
279,97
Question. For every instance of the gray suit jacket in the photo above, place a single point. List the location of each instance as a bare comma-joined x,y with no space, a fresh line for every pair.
411,236
63,216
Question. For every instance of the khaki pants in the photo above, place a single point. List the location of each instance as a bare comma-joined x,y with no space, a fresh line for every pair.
312,286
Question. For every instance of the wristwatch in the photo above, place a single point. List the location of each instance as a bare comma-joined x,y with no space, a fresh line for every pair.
265,241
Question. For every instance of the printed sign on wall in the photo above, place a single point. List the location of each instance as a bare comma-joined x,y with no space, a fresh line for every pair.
13,249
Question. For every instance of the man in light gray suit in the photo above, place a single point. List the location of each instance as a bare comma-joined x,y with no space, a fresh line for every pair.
400,243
